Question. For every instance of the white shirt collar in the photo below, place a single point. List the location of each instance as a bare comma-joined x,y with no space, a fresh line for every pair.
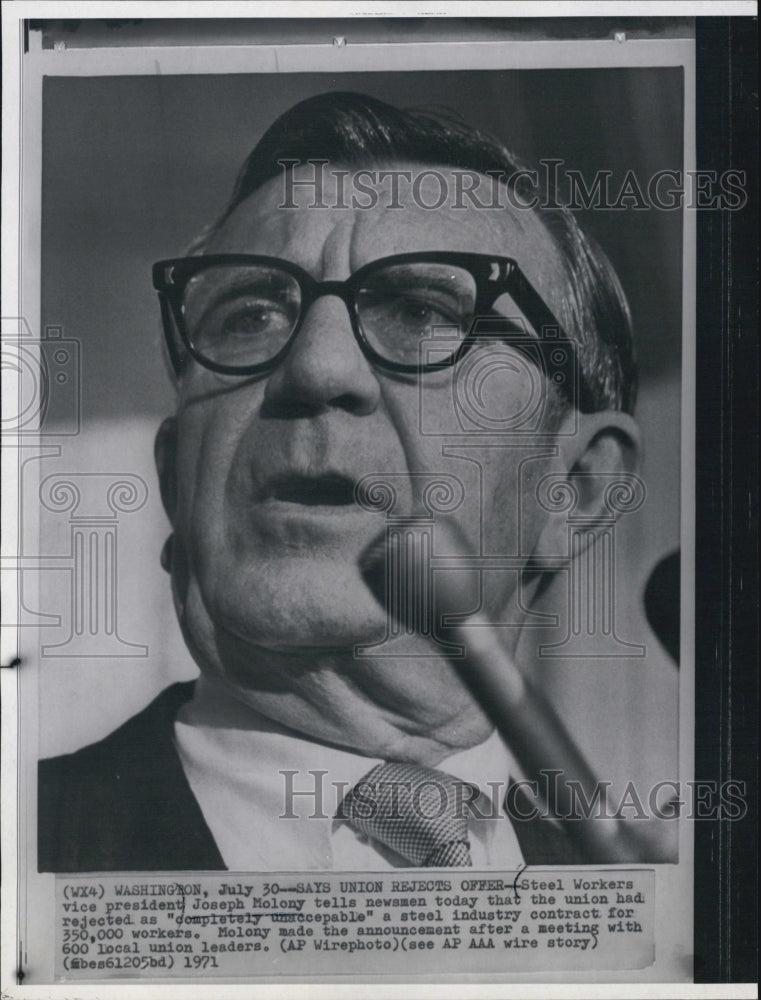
247,771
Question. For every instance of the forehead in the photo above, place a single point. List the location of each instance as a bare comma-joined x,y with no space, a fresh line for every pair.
362,215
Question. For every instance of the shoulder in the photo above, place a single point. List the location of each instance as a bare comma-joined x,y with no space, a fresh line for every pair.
115,804
126,747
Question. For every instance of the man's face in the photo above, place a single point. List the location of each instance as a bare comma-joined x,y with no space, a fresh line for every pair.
270,546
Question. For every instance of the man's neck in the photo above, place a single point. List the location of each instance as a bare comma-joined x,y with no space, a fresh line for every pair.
414,709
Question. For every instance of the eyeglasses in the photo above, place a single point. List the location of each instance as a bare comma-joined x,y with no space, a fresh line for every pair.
239,314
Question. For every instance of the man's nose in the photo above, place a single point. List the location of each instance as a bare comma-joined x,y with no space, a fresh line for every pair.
325,366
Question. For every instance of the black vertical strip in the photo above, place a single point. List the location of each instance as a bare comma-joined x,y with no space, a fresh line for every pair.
726,704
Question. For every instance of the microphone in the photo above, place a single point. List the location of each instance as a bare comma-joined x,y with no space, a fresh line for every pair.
529,724
662,603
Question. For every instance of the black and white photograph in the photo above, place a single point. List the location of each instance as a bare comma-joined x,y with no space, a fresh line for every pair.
352,427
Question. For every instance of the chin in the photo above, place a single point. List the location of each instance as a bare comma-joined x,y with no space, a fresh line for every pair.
299,604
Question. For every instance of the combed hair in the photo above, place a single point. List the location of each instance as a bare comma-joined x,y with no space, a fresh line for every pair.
359,131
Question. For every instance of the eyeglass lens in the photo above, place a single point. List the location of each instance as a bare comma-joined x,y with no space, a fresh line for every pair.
405,303
241,315
244,315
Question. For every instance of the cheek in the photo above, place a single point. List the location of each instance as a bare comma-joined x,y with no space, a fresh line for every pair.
474,424
494,390
208,437
421,416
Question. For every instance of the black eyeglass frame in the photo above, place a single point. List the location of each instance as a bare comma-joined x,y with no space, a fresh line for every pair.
171,277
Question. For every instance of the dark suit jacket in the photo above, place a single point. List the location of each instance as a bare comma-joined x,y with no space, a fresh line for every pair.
124,804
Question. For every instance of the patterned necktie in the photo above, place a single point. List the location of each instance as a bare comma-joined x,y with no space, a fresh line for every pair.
417,811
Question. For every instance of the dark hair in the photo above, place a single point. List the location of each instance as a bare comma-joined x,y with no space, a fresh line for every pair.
357,130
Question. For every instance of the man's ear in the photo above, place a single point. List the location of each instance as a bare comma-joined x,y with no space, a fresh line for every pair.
165,453
604,447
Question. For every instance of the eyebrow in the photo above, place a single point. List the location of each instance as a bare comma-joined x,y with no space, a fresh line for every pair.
408,275
238,285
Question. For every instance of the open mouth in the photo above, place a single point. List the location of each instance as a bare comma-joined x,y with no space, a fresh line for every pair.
331,490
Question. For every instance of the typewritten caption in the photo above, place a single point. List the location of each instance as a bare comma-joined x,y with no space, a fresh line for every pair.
112,926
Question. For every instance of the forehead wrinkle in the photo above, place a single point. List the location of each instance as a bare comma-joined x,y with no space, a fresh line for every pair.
338,249
314,239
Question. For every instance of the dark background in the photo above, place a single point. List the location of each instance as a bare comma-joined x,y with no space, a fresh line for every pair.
726,607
